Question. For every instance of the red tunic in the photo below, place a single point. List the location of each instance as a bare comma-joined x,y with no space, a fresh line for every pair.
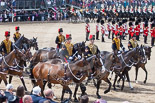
97,28
137,30
102,29
108,27
146,31
153,33
113,28
87,28
121,30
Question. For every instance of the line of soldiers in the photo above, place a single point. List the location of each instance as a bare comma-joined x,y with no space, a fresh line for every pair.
7,45
66,52
136,27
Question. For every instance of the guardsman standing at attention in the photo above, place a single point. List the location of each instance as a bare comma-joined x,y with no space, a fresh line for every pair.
16,35
133,42
102,30
97,29
6,45
137,30
145,32
152,34
60,39
93,48
87,29
67,49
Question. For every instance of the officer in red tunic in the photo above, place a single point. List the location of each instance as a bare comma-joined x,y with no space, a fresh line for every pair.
120,29
145,32
6,46
130,30
113,29
152,34
137,30
103,30
97,29
109,28
87,29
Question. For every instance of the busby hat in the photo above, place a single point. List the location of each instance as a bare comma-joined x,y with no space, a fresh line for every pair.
152,25
102,22
87,20
98,20
60,30
92,37
113,22
136,23
7,33
109,20
17,28
117,20
68,36
120,23
130,23
146,25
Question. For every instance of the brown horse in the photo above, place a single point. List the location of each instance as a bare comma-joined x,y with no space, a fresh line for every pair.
20,65
7,63
54,73
143,62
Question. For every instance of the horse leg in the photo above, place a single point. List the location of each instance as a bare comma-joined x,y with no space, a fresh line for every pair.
121,77
111,75
4,79
63,92
136,74
115,81
98,87
128,79
44,84
107,81
146,74
83,89
94,83
75,91
10,79
22,80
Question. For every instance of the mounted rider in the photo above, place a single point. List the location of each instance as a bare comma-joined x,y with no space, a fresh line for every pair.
93,48
67,50
117,44
6,46
133,42
16,35
60,39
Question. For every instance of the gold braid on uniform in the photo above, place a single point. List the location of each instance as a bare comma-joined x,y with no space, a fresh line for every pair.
133,43
17,35
117,42
69,48
93,48
61,38
7,44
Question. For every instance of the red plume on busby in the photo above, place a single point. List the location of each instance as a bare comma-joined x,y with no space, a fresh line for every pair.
17,28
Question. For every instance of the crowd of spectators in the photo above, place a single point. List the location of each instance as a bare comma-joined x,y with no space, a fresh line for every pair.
10,12
8,96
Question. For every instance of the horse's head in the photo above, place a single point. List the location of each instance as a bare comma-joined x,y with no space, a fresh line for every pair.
28,54
148,51
34,43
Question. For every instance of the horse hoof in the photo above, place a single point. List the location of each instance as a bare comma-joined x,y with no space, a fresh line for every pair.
117,85
99,97
136,82
54,97
105,92
115,89
131,89
144,82
75,100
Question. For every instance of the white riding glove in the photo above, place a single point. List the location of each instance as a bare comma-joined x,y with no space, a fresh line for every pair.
79,57
70,58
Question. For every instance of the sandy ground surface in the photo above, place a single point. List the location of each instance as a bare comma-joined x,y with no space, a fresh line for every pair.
47,32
